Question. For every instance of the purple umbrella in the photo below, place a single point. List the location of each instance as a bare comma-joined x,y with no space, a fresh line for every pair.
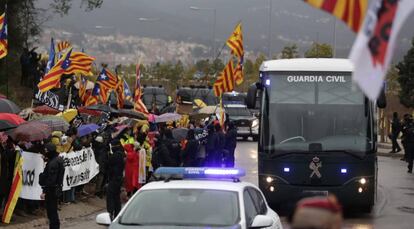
167,117
87,129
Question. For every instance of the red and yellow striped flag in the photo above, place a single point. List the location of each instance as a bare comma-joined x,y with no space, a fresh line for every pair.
235,41
52,78
120,93
15,189
238,74
352,12
81,64
225,82
3,36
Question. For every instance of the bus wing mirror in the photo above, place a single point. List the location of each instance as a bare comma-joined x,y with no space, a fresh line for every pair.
382,99
251,96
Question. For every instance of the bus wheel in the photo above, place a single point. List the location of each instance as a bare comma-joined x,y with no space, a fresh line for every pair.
255,138
245,138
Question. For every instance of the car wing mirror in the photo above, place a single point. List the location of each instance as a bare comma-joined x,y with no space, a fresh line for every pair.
261,221
103,219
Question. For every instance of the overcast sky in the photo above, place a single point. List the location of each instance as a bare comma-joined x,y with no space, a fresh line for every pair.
292,21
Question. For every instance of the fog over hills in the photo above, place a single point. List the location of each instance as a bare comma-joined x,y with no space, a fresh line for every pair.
293,21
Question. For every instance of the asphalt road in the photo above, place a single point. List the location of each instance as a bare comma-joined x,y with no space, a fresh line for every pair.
394,207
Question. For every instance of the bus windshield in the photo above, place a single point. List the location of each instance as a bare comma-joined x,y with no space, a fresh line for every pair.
302,110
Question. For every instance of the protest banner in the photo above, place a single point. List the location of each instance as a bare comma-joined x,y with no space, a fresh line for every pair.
33,165
80,168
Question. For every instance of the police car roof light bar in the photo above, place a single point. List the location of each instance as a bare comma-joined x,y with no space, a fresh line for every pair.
205,173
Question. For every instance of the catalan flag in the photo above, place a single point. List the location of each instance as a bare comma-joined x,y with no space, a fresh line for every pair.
120,93
138,104
15,188
83,95
225,82
81,64
238,73
52,78
107,79
352,12
62,45
91,99
3,36
235,41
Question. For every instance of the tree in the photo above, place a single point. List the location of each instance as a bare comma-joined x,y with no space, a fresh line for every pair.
289,52
406,78
393,86
319,50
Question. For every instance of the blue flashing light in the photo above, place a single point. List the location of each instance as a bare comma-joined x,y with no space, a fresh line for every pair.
195,172
286,169
344,171
267,82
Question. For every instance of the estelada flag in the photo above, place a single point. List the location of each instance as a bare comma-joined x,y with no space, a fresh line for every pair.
15,188
352,12
138,104
52,78
374,46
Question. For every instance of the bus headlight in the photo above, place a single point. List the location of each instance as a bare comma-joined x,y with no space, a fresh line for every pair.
362,181
269,179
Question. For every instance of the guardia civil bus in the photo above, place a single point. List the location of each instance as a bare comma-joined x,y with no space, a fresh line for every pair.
317,133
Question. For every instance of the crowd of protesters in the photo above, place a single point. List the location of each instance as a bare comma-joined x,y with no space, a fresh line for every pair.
118,149
406,127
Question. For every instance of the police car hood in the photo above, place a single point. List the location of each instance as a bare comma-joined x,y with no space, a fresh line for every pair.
118,226
236,118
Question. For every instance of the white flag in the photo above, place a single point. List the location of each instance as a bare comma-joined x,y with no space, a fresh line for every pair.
374,46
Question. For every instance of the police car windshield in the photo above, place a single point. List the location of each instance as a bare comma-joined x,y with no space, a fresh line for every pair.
314,107
238,111
183,207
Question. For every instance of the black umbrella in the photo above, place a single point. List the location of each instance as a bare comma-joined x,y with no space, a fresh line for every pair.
7,106
5,125
102,107
132,114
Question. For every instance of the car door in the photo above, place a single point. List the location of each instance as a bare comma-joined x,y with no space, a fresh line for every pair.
250,209
262,207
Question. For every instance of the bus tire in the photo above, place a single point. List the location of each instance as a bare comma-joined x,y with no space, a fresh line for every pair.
256,138
245,138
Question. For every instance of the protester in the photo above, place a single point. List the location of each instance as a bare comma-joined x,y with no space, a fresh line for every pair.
211,147
395,131
161,156
409,143
317,213
8,157
100,149
51,181
406,124
190,150
115,170
230,144
173,147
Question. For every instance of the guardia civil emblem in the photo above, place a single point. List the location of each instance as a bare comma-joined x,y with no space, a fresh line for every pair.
315,165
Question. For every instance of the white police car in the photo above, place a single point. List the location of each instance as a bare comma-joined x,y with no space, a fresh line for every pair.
196,198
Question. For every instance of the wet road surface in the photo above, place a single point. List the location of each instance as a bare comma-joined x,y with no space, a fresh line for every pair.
395,201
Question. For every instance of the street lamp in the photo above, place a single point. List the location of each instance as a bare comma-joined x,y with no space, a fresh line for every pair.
195,8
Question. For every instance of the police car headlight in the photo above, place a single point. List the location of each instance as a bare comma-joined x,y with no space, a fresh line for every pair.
362,181
255,123
269,179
